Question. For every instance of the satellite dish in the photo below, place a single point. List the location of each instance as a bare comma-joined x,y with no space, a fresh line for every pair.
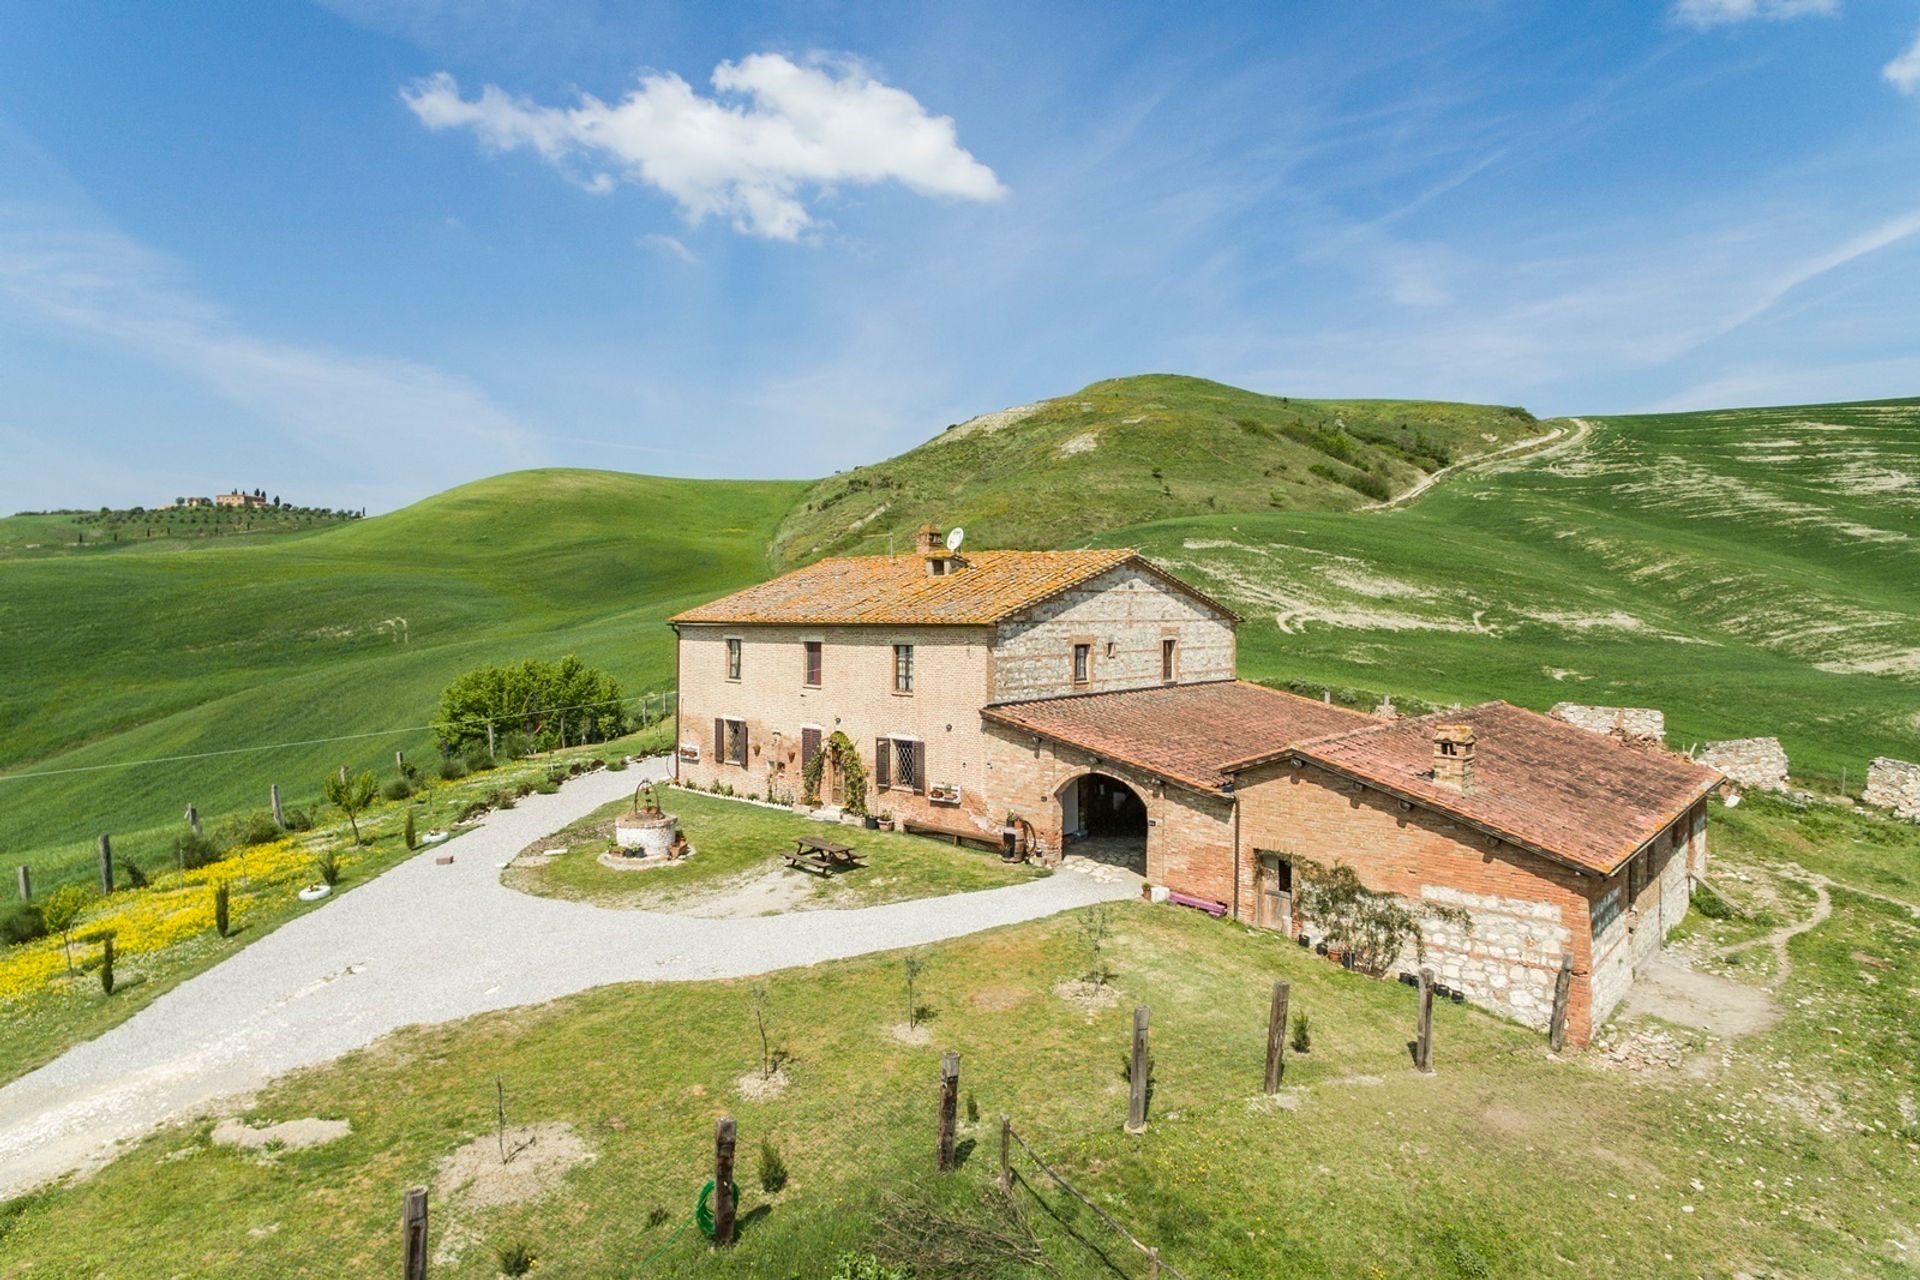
955,538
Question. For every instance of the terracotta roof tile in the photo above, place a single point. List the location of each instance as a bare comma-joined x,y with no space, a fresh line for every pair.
1182,732
985,587
1580,797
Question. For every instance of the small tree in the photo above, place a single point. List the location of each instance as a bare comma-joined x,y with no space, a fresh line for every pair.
1096,926
773,1167
760,1021
351,795
106,965
912,964
62,911
222,899
413,840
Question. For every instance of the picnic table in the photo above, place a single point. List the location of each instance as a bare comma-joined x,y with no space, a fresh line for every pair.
822,857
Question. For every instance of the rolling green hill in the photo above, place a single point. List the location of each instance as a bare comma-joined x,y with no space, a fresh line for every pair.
353,630
50,533
1749,572
1130,450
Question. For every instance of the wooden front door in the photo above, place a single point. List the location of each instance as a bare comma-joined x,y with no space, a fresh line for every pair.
1273,897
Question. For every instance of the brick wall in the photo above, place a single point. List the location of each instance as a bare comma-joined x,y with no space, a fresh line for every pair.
1126,607
855,697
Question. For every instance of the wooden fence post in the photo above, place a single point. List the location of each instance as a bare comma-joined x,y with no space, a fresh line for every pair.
1006,1156
1137,1076
1276,1037
400,763
949,1104
193,820
490,754
413,1233
279,815
1423,1041
106,864
26,884
723,1206
1562,989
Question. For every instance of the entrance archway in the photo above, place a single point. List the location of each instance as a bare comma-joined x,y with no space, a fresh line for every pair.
1104,819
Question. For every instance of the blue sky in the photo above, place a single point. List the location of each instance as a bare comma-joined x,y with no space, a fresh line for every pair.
357,252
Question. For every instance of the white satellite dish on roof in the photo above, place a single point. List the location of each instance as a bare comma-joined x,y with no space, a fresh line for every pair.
955,537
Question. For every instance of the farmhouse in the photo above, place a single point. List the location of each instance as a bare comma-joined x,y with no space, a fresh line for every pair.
240,498
1086,702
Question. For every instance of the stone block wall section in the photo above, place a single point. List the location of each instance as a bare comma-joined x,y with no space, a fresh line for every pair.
1629,724
1894,784
1751,762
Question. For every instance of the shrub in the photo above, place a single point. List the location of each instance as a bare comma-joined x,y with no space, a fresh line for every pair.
136,878
973,1108
503,800
515,1260
191,850
476,758
773,1167
517,696
548,789
616,765
398,789
1302,1033
62,911
299,820
864,1266
409,835
220,904
452,769
257,827
516,745
1710,904
326,865
106,965
21,922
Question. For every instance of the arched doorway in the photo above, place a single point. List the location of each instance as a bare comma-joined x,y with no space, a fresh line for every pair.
1104,819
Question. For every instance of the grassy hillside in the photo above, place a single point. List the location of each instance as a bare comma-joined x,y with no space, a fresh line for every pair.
348,631
1748,571
47,533
1137,449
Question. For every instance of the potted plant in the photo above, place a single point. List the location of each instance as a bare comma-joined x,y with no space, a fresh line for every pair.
886,820
870,821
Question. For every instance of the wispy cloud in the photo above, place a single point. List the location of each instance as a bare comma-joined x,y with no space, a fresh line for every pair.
775,130
1703,14
1903,73
671,245
98,282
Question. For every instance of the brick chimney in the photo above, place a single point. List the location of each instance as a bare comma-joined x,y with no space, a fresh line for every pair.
932,547
1453,757
927,539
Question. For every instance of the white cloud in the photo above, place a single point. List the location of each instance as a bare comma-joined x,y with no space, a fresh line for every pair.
774,130
1726,13
1903,73
672,245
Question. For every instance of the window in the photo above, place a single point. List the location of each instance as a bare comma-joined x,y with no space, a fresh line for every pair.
937,567
730,741
813,648
733,657
900,764
903,668
1082,663
1166,658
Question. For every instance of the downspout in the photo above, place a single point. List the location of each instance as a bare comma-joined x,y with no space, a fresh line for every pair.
677,709
1236,856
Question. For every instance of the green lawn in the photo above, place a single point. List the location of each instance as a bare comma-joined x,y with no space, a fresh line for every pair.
736,843
1788,1153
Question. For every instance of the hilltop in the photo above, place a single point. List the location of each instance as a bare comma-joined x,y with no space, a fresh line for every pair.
170,528
1130,450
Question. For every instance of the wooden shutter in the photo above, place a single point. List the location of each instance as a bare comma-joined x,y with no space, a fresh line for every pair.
920,768
882,763
719,741
809,746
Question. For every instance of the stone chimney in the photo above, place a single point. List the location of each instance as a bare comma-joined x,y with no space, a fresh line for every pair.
932,547
927,539
1453,757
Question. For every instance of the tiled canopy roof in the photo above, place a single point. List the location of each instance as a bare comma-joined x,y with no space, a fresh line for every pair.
1579,797
1181,732
984,587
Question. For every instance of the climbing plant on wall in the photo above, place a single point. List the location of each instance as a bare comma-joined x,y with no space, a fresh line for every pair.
851,770
1372,926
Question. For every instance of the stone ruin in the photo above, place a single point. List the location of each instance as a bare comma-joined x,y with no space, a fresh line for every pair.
1751,762
1894,784
1629,724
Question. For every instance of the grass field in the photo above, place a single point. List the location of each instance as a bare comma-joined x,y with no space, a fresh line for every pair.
1749,572
1791,1152
52,533
736,848
1135,449
351,631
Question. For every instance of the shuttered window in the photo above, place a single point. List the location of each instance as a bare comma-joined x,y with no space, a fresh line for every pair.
730,741
900,764
809,746
733,657
1166,658
813,663
882,759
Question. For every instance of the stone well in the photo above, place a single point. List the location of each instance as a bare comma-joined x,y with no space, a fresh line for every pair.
644,835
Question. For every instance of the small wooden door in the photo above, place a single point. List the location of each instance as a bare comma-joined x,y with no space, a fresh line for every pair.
1273,900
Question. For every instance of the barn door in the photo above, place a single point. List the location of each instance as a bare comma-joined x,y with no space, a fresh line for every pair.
1273,901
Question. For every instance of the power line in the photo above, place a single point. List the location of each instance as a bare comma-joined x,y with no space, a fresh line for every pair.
316,742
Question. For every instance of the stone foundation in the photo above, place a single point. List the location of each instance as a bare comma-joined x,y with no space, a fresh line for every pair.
1629,724
1751,762
1894,784
1507,960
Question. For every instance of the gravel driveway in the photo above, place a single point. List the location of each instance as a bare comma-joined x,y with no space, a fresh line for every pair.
425,943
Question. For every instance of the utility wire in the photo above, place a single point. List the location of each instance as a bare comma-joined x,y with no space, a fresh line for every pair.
315,742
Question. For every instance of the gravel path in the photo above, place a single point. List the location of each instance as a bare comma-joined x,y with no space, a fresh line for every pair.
425,943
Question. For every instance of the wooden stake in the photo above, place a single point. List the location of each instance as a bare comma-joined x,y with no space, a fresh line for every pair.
25,877
193,819
723,1140
1006,1156
343,775
106,864
400,763
1137,1092
1562,989
1423,1041
490,754
1276,1037
279,815
413,1233
949,1102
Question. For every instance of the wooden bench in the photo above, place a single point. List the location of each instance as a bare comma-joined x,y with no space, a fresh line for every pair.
958,835
821,857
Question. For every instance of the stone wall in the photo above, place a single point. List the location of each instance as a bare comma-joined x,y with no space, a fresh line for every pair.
1629,724
1122,615
1751,762
1509,957
1894,784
